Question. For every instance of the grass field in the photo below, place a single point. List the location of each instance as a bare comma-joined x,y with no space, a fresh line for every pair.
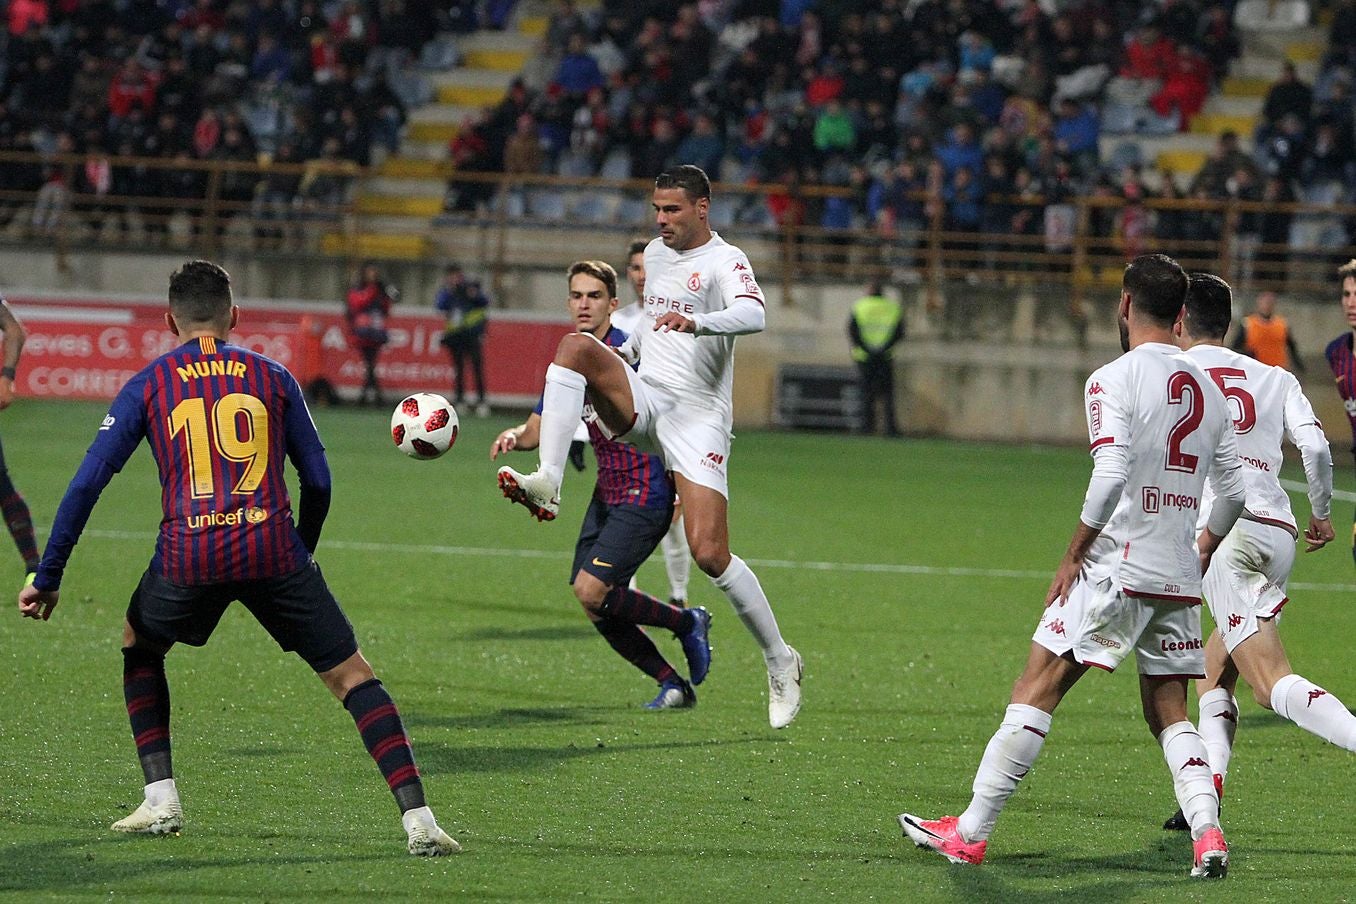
909,574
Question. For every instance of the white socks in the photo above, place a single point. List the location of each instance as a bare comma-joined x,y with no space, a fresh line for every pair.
1192,781
562,407
741,587
1007,759
418,816
1315,710
1219,723
677,559
161,792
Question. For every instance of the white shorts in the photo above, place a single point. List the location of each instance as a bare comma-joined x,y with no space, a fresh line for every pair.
1099,625
1247,577
693,442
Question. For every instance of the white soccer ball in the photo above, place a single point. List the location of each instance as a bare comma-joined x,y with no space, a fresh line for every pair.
424,425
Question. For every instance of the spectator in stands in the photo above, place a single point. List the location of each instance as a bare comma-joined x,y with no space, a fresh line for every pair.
703,146
834,130
578,72
1184,90
1275,228
961,150
1287,95
1076,132
1216,39
1224,161
1284,151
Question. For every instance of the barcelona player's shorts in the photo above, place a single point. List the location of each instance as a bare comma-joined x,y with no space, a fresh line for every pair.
297,610
615,540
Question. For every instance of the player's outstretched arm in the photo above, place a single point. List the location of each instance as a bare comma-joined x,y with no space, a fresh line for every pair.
13,344
523,438
35,603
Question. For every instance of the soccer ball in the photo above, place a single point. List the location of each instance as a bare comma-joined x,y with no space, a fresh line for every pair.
424,425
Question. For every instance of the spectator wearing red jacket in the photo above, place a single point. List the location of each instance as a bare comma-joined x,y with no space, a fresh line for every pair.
1149,54
131,87
366,309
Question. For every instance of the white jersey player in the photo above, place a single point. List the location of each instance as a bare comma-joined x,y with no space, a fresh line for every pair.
700,293
1130,579
631,320
1246,584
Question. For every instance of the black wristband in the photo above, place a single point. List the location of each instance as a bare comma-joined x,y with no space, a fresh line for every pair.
8,372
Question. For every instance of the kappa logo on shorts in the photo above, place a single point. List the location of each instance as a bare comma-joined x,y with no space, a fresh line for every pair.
1234,621
713,460
1056,626
1314,695
1106,641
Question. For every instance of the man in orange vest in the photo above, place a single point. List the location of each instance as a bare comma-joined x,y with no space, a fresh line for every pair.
1265,335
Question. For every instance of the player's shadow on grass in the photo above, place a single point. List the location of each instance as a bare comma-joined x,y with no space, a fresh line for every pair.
511,718
1133,875
571,631
41,867
437,758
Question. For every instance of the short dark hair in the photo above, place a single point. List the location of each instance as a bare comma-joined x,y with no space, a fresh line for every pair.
691,179
1209,306
636,247
599,270
1157,285
200,292
1346,270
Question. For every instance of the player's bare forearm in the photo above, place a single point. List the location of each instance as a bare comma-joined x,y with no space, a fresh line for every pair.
1071,566
522,438
1319,534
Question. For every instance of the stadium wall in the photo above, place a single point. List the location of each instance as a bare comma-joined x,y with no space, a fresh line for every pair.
984,362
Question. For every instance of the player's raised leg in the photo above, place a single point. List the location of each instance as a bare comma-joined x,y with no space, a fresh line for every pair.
1008,757
584,368
147,695
705,513
374,712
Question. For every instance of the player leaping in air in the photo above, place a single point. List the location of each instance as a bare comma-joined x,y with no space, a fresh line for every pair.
631,510
700,293
1131,577
220,421
1245,586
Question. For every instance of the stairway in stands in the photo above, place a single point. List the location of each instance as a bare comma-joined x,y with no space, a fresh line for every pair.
1238,103
396,204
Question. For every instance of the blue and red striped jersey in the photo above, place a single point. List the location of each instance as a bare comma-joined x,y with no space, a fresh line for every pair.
1343,364
219,419
626,476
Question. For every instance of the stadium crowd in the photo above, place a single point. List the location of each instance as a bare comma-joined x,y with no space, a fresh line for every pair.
965,108
196,80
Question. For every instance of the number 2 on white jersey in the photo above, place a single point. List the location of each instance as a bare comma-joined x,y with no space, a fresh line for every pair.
1184,390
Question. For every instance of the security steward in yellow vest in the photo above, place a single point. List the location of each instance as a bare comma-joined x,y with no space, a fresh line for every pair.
875,327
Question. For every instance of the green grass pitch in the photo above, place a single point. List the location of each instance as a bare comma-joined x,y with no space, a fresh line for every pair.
909,574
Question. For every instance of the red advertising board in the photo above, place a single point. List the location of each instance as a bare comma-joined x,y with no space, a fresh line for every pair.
86,348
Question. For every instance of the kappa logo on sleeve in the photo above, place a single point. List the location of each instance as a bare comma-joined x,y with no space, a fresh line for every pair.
1095,389
108,423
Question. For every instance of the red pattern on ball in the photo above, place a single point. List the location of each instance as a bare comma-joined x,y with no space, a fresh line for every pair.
398,433
437,420
410,407
424,447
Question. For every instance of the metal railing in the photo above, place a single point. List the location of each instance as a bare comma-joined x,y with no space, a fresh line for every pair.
507,221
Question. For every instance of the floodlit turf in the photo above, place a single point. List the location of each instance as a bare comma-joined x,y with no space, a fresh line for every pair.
909,574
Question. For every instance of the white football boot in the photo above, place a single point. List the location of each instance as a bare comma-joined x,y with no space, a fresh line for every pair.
164,818
535,491
426,837
783,691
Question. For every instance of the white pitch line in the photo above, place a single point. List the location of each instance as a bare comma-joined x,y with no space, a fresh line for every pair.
1296,486
857,567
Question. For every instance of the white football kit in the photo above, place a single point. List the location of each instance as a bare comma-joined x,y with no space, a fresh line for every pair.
629,318
1157,426
1248,574
684,384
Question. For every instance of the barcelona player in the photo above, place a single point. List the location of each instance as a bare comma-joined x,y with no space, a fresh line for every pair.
630,513
1343,361
220,420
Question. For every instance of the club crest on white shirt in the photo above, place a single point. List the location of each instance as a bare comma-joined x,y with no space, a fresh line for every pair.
694,282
